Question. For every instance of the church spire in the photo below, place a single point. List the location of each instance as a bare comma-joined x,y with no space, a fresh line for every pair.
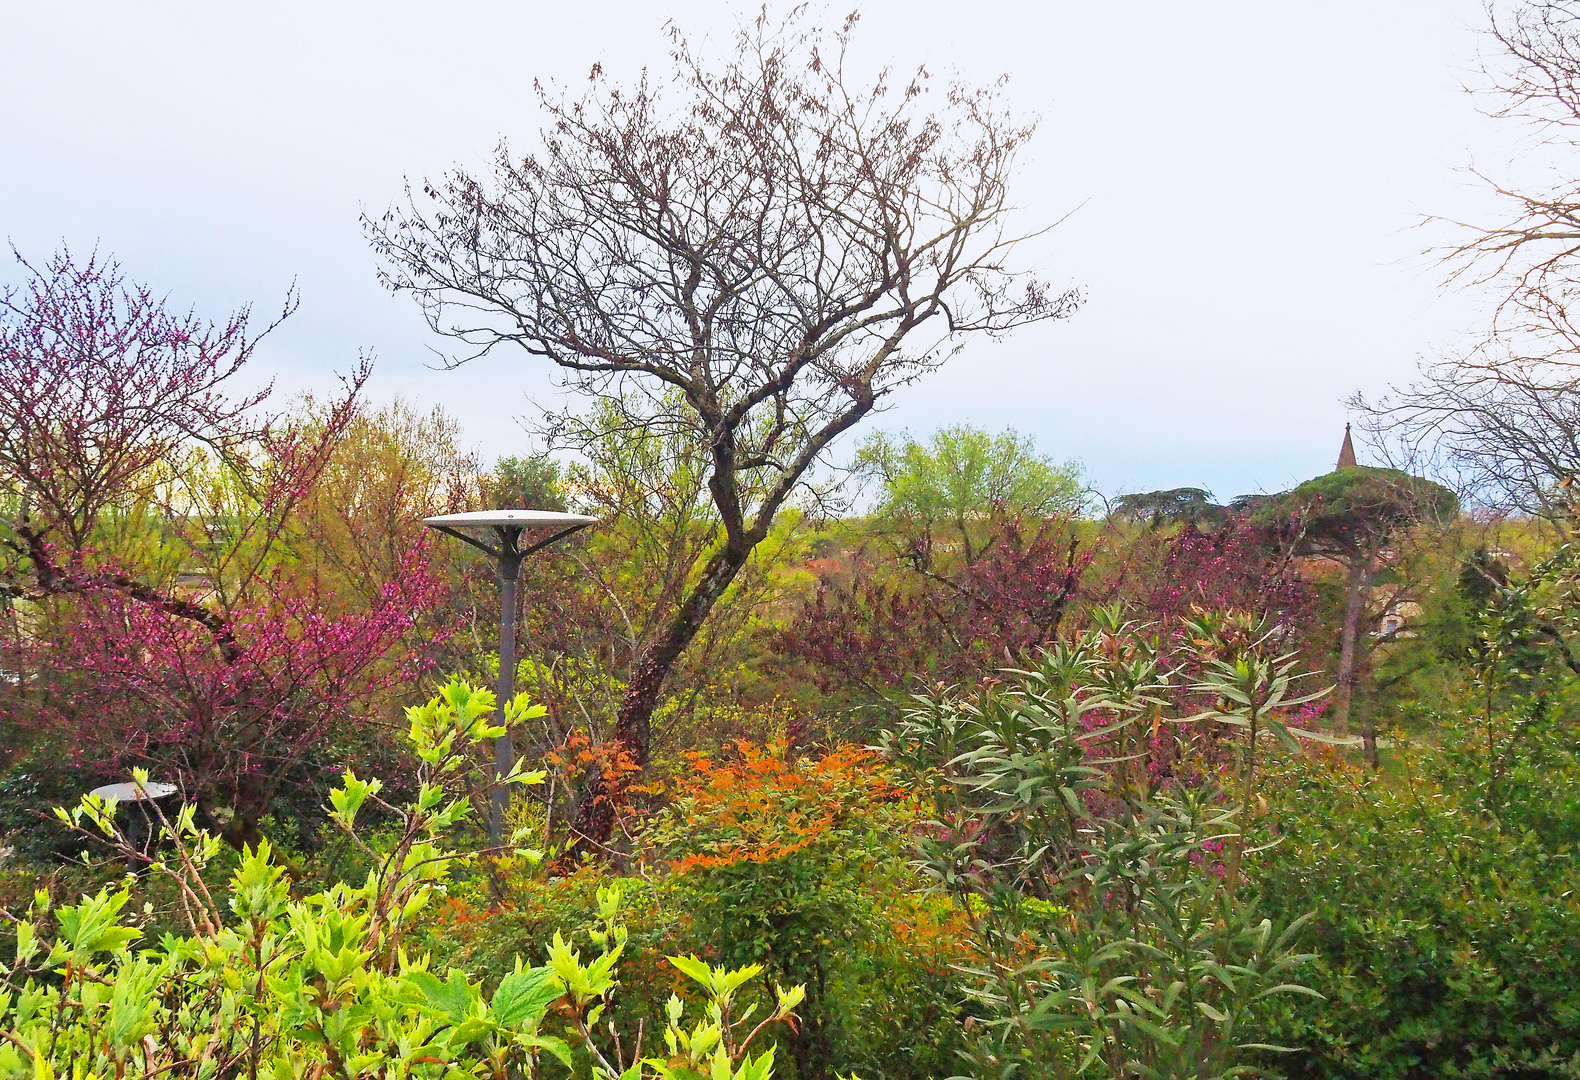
1346,452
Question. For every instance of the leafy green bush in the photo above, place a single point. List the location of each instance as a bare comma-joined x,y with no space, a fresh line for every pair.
1446,939
324,985
478,931
1447,919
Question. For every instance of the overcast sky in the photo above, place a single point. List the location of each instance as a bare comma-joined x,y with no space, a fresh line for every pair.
1243,182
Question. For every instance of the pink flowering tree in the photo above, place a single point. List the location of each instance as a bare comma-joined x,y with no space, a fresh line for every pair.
151,529
1226,569
232,708
102,386
878,627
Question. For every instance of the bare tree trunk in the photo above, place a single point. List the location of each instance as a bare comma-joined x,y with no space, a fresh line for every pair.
633,733
1355,606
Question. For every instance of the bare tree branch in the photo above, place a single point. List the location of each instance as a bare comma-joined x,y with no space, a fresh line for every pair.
755,251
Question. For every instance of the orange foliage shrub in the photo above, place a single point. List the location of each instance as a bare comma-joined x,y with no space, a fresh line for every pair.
766,806
803,864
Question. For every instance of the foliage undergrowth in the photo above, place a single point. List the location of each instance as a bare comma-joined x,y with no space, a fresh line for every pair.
325,985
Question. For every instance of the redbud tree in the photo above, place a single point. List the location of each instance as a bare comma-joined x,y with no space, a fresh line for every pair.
150,523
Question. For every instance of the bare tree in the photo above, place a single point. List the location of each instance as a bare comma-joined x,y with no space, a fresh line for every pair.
757,262
101,384
1502,417
1503,432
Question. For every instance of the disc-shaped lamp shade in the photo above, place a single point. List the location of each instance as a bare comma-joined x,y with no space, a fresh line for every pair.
521,519
130,792
509,528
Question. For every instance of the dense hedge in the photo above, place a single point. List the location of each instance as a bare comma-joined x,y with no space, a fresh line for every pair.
1447,930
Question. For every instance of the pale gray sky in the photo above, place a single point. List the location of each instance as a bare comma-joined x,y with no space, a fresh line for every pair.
1245,177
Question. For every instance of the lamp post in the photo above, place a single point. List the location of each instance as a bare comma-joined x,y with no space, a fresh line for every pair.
499,533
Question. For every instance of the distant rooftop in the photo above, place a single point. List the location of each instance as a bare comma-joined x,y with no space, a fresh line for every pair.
1346,452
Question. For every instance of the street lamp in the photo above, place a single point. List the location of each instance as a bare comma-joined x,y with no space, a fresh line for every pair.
499,532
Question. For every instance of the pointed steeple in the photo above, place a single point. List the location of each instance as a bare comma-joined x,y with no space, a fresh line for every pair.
1346,452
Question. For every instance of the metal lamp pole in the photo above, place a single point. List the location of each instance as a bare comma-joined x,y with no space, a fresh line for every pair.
505,528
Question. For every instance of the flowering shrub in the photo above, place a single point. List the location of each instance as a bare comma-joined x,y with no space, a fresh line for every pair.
1110,929
799,863
884,626
232,714
1231,568
763,806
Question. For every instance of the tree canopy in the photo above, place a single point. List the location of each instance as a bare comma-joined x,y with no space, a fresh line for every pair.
1353,510
963,480
1173,506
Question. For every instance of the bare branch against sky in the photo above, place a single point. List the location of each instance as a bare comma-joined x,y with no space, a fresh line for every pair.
1243,180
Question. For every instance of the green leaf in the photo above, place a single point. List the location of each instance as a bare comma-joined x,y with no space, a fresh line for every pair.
453,997
26,942
693,968
1292,988
1330,740
524,995
470,1030
1211,1013
349,797
92,926
555,1046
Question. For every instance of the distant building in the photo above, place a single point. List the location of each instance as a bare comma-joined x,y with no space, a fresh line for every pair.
1346,452
1391,614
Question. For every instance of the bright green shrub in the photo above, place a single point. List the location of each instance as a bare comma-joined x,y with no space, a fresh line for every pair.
1448,942
473,930
324,985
